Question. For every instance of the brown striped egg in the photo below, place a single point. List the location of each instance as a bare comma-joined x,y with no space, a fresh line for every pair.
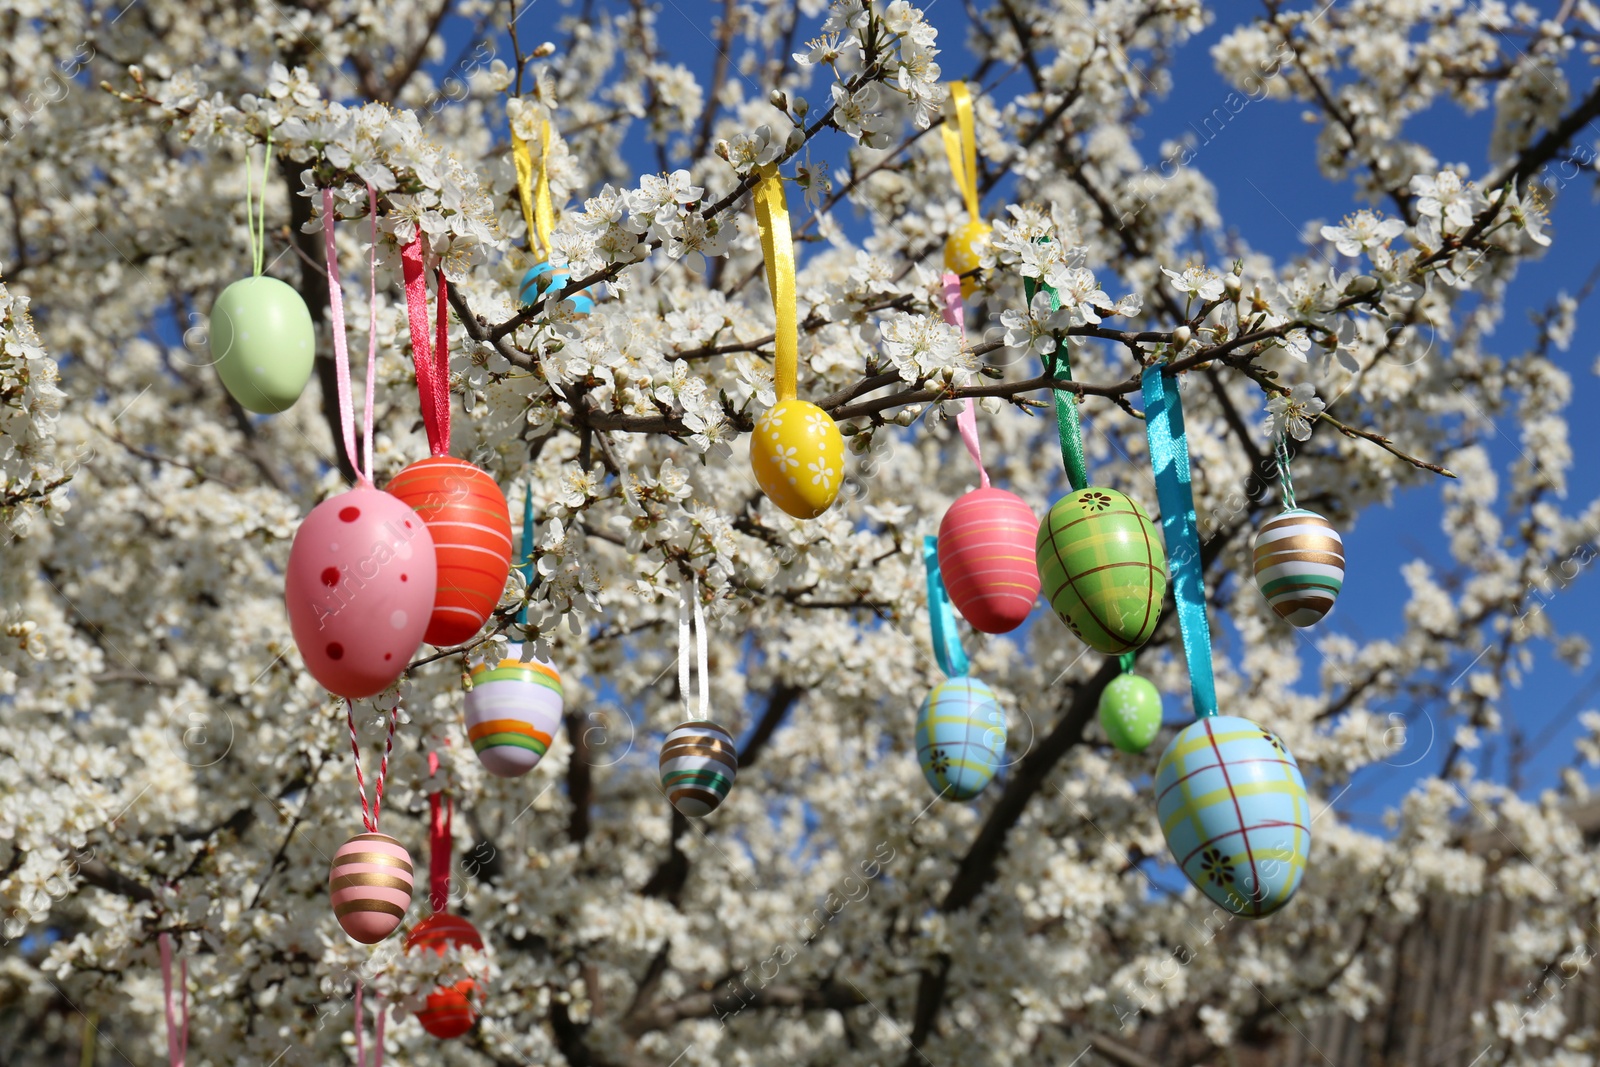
1299,565
370,885
698,765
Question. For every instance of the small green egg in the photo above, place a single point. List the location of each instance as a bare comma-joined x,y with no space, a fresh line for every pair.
263,343
1130,712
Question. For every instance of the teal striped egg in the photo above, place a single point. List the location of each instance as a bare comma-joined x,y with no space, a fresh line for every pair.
1299,565
961,737
1234,811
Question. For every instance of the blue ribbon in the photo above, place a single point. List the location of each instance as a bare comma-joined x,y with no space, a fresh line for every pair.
942,616
1169,462
526,567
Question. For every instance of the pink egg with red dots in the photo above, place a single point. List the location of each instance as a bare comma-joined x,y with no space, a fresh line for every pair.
362,578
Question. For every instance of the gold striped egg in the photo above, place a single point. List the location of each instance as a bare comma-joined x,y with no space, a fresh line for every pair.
698,765
370,886
1299,561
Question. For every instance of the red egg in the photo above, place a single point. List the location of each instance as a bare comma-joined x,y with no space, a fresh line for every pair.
471,526
986,555
449,1011
359,588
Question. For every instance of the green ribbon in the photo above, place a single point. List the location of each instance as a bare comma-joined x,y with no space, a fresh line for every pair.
527,557
1058,365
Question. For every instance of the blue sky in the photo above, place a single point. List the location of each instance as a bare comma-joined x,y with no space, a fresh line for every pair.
1263,166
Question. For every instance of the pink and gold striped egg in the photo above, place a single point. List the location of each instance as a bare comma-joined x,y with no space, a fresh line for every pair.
370,886
466,513
986,555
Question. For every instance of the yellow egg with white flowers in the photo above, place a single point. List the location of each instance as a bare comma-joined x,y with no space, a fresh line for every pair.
961,253
797,455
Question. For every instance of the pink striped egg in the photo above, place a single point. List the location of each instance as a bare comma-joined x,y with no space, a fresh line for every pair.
986,555
370,885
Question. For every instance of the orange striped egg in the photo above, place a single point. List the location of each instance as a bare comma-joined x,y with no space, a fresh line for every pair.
513,710
449,1011
986,555
370,885
466,513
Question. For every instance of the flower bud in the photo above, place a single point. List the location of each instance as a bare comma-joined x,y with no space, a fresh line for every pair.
778,99
1181,337
1233,285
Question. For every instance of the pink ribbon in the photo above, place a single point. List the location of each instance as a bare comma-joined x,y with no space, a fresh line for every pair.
341,353
177,1032
966,422
361,1039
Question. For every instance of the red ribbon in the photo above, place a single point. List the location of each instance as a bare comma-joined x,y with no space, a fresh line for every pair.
432,360
441,809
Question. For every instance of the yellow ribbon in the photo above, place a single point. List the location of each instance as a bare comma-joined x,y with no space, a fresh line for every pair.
962,148
533,187
777,248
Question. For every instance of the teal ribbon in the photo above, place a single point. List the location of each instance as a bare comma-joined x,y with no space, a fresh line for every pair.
1059,366
1169,462
1125,661
942,616
526,567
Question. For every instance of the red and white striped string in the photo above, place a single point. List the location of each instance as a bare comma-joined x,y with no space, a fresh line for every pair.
369,818
966,422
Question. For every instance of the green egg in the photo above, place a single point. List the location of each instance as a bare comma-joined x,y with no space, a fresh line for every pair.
263,343
1103,568
1130,712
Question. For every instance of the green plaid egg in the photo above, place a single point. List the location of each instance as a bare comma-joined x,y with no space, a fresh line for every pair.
1102,566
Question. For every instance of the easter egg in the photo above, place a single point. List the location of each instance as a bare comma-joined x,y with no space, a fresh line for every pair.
1299,565
961,253
513,710
961,737
797,456
466,514
1233,807
370,885
359,589
449,1011
262,343
698,765
986,556
1103,568
541,277
1130,712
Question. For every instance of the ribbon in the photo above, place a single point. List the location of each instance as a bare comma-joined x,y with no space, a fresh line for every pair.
1285,483
966,422
533,188
257,226
361,1041
777,249
431,360
177,1026
1058,365
690,712
370,819
1125,661
527,558
962,148
942,616
441,814
341,352
1169,462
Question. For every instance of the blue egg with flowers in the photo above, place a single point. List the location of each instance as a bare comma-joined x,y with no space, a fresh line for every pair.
1234,811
